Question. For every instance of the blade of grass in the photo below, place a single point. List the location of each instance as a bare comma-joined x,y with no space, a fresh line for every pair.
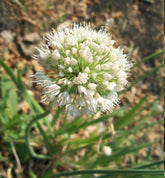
142,78
151,106
91,139
111,172
9,71
55,117
150,165
148,57
121,122
120,137
130,176
151,126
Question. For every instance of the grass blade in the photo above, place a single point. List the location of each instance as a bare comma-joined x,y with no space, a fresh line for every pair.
148,58
142,78
149,165
9,72
111,172
121,122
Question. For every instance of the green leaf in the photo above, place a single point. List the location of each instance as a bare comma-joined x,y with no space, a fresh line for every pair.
123,121
142,78
150,165
119,172
9,95
9,71
148,57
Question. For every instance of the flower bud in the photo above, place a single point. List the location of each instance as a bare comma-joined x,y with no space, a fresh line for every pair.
107,151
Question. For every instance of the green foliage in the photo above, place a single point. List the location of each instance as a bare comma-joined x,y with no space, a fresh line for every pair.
9,96
9,118
63,149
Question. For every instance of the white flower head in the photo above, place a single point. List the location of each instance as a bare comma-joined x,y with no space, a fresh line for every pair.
88,70
82,78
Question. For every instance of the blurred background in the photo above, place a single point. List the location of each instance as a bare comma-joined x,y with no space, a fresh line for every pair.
136,25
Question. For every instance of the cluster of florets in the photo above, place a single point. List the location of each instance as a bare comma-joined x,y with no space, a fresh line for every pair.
86,70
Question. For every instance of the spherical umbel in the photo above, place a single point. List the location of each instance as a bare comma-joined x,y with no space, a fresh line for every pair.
88,70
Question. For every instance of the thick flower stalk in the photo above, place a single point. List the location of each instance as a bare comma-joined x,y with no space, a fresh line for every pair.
86,70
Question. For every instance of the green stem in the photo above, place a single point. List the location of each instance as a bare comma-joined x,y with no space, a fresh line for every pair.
112,172
28,129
